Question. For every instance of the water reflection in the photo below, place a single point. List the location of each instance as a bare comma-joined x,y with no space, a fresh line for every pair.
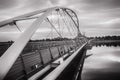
108,44
104,64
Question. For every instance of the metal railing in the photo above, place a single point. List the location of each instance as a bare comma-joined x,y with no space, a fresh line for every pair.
55,73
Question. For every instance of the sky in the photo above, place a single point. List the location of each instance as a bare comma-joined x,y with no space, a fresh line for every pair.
96,17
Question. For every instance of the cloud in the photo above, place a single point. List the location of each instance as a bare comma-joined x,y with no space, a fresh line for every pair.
96,17
101,4
20,7
9,36
37,4
113,21
7,4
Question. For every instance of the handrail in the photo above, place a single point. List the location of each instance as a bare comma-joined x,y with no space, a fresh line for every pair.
41,72
34,77
55,73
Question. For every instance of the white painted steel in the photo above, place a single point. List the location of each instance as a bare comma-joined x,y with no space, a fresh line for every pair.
10,56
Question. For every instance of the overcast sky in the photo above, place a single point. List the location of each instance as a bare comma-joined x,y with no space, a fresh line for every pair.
96,17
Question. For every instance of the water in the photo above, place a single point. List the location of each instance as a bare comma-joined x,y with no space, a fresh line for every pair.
104,64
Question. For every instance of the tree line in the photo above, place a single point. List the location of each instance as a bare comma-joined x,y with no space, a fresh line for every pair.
105,38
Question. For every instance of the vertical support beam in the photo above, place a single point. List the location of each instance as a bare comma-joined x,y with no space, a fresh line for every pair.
59,52
40,56
50,53
10,56
23,64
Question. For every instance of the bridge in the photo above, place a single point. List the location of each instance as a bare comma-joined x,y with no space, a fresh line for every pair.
59,53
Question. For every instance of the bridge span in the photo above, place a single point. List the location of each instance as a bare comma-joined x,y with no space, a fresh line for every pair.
58,54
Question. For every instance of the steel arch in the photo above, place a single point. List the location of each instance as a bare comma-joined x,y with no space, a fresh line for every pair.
13,52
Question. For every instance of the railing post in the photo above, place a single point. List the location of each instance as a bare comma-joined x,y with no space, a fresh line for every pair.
59,51
40,56
24,69
50,53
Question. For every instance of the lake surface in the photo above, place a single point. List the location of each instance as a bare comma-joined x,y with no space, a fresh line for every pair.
104,64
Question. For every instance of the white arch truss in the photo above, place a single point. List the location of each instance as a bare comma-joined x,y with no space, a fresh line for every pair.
13,52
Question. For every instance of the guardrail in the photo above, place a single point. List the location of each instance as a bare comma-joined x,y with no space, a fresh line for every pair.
56,72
